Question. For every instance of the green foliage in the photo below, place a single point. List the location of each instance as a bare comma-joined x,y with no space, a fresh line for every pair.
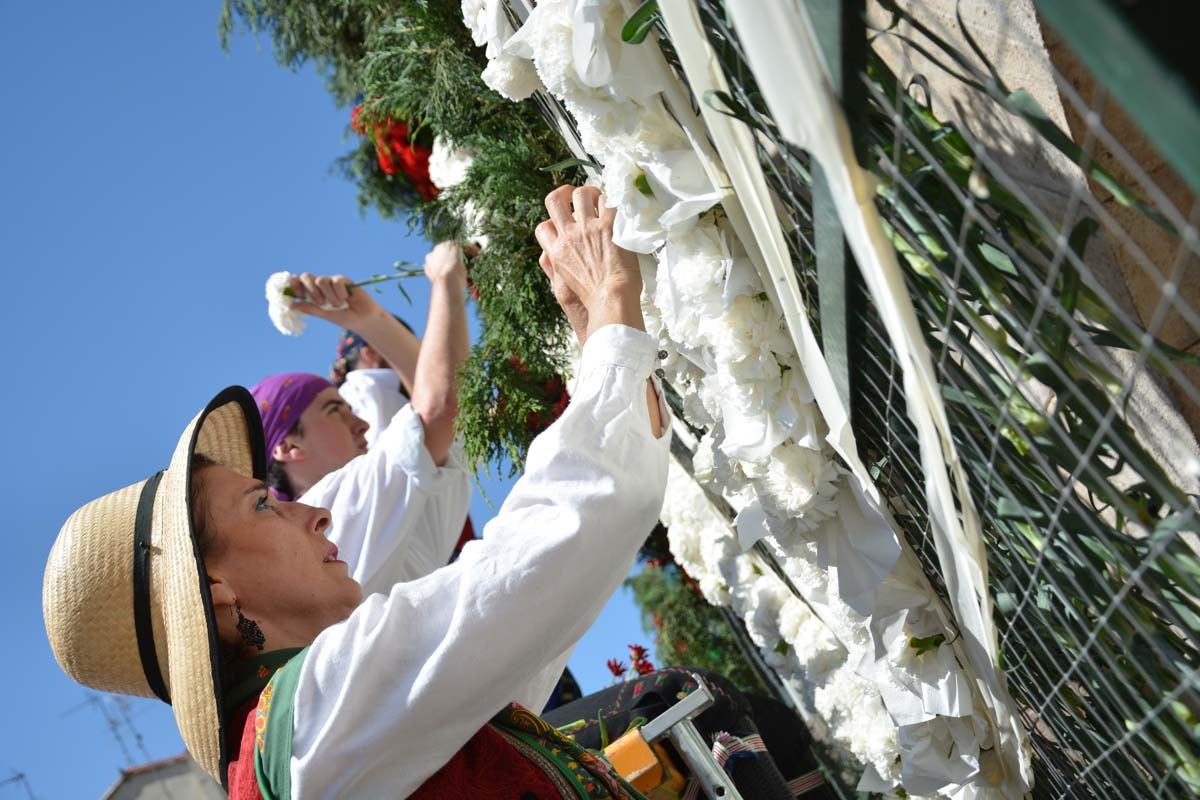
423,67
413,60
330,35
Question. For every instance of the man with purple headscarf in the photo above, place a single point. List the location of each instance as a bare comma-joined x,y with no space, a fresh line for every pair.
399,505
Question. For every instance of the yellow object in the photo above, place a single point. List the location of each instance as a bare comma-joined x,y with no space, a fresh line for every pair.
647,767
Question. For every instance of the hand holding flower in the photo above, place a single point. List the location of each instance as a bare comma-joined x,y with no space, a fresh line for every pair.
290,297
331,298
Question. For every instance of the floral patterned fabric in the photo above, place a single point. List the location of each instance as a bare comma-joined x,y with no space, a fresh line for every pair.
591,777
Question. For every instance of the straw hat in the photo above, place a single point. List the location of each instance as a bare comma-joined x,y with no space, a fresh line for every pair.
134,616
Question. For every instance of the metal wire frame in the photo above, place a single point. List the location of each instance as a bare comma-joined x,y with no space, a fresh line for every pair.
1092,727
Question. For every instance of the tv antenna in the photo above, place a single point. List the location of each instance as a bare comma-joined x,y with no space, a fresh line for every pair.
117,720
18,778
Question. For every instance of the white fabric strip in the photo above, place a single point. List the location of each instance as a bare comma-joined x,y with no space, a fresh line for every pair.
784,56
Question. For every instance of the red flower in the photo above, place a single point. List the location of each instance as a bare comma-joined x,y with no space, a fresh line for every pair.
637,654
680,647
396,153
657,619
617,668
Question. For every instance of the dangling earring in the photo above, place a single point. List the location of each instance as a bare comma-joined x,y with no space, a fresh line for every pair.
251,634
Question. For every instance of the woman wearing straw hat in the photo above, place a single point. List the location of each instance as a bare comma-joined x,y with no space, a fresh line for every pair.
197,586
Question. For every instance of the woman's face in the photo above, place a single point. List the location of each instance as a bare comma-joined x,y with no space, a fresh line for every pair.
271,560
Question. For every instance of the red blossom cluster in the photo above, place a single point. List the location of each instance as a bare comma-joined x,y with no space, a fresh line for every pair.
637,656
641,662
396,153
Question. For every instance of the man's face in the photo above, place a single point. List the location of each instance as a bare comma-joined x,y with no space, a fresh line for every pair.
370,358
330,435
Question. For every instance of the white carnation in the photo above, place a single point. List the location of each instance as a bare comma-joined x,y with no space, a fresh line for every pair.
473,217
714,589
474,15
799,481
279,306
512,77
751,331
448,166
699,263
859,720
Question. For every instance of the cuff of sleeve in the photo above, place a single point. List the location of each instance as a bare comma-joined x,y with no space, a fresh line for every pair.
620,346
405,437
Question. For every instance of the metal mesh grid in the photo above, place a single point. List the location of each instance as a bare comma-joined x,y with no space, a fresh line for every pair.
1095,583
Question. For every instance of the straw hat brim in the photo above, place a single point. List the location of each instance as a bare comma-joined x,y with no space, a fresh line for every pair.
228,431
89,599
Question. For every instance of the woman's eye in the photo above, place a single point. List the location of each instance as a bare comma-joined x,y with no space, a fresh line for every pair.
261,505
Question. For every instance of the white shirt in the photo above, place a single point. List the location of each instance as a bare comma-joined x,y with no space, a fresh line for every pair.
396,514
388,696
373,395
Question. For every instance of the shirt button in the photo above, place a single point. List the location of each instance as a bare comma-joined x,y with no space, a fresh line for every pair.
661,373
662,354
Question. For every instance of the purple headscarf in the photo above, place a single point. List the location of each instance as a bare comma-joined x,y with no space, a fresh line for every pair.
281,399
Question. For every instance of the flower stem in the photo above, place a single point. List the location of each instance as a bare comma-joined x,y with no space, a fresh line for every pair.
399,274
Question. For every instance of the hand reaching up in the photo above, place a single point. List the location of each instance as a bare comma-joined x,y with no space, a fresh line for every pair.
595,281
445,263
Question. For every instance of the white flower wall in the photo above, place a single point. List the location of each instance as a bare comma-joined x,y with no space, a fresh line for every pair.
858,630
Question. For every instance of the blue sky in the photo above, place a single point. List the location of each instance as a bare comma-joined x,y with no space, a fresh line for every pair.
151,182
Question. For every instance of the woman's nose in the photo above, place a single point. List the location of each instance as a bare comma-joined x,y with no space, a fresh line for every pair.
319,519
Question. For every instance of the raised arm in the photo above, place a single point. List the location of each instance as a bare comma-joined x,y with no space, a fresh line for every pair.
329,297
428,368
399,687
595,281
444,349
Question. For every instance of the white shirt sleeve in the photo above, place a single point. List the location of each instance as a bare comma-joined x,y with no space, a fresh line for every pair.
374,396
396,514
388,696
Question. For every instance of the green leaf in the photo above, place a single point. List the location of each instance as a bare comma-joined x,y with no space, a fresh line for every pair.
643,185
636,723
998,259
567,163
1023,104
638,26
926,644
1007,508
